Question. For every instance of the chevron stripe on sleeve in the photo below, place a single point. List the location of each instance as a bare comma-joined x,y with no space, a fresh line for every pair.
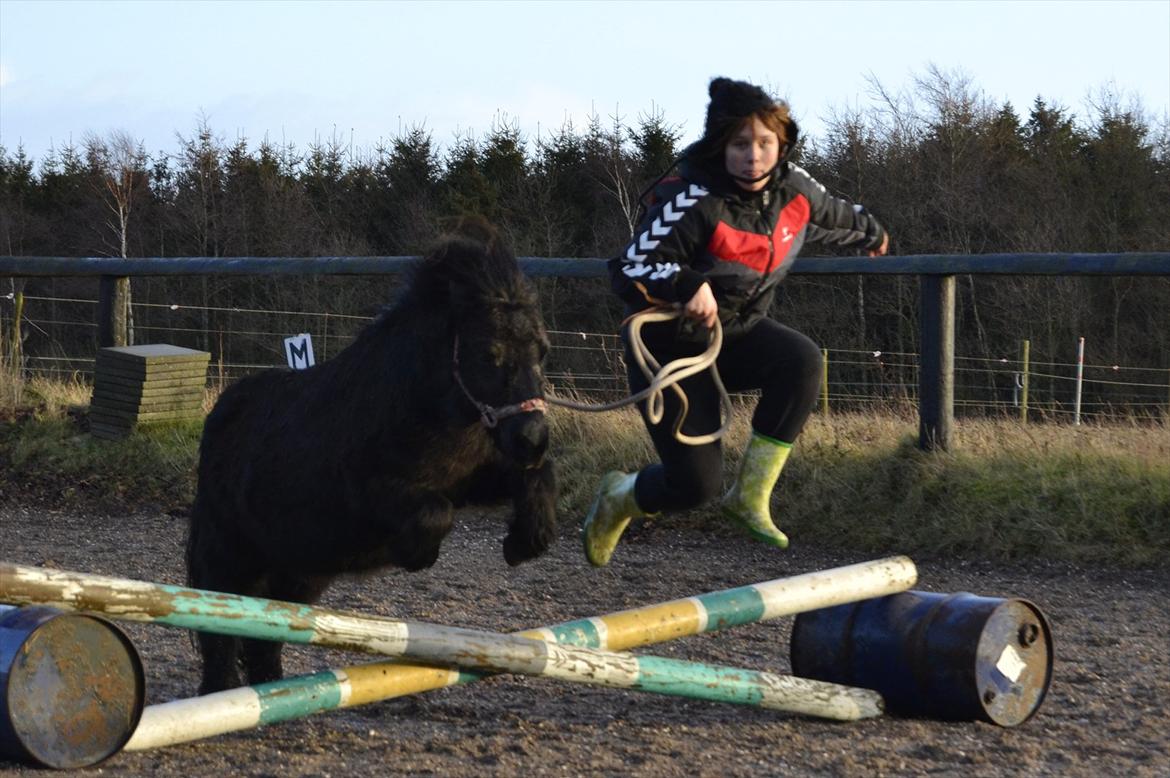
640,248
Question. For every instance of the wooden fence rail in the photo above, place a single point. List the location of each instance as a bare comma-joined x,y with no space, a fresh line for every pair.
936,274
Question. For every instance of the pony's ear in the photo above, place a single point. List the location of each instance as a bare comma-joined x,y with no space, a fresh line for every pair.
469,266
476,229
445,278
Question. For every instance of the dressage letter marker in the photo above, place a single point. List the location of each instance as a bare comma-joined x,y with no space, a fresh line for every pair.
299,351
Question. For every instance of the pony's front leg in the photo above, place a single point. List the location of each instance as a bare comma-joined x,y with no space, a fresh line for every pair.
261,658
414,531
533,527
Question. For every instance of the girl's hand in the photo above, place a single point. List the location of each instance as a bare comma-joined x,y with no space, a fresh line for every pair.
702,307
881,250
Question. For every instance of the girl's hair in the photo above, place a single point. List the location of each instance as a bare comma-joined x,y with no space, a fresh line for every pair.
775,117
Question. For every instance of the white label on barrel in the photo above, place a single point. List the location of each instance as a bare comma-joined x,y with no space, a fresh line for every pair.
1010,663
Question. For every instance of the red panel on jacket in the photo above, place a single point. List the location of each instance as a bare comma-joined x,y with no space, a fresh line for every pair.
792,220
751,248
742,246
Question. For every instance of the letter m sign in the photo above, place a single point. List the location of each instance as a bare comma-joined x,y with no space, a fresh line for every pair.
299,350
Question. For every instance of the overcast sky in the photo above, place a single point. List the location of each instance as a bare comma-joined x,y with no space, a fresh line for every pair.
367,70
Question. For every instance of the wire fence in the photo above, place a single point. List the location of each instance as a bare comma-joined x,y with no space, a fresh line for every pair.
59,341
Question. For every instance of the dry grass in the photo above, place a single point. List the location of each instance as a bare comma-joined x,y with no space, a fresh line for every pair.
11,387
1089,493
1095,493
54,398
46,458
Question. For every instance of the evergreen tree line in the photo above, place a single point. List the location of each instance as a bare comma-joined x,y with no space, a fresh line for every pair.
945,169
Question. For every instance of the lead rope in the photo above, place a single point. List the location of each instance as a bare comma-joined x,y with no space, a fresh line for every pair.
666,377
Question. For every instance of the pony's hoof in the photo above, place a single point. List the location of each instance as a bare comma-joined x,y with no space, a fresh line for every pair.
518,550
420,558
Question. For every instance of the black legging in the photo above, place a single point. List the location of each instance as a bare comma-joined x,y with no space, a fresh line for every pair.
783,363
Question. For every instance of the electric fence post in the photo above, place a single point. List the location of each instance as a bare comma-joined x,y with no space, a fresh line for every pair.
1024,383
825,381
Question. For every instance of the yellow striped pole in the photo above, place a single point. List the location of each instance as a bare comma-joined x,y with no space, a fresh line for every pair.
238,709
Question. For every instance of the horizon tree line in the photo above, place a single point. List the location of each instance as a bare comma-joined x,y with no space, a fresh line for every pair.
947,170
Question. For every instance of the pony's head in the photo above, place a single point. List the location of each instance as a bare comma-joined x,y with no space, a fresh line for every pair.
499,342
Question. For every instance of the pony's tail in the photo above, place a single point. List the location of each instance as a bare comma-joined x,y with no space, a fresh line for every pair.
193,526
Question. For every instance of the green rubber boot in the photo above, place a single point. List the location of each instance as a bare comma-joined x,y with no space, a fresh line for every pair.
747,502
612,510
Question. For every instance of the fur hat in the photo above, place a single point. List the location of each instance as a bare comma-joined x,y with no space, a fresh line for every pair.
732,102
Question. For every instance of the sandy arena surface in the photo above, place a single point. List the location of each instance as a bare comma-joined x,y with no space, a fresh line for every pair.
1106,712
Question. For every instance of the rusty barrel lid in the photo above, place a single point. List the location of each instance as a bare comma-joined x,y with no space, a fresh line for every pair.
71,687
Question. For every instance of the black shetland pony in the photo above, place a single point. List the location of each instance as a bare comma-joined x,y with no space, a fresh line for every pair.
356,463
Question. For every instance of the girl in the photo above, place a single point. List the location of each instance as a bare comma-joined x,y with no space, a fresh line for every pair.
717,241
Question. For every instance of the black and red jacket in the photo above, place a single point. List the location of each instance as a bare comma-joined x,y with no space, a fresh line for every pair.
702,227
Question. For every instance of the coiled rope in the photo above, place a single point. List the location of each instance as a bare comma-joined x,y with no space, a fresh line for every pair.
666,377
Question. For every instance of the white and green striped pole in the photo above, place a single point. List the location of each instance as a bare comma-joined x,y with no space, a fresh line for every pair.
253,706
568,658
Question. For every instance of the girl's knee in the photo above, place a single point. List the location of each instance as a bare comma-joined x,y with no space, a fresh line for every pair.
805,364
808,356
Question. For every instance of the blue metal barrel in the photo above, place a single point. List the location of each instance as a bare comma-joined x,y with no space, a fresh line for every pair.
71,687
956,657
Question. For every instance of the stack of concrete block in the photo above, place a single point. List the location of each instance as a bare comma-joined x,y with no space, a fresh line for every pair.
135,385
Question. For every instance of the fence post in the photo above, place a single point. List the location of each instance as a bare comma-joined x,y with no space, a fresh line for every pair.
113,303
16,354
221,376
1024,388
1080,378
936,372
825,381
17,336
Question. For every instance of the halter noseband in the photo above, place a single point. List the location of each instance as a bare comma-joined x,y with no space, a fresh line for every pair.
487,414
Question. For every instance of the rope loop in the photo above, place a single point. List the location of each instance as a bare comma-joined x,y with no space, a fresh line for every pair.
663,377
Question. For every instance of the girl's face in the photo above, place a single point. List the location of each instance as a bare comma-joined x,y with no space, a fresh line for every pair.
751,153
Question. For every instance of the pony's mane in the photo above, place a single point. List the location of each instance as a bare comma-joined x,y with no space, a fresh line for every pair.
473,259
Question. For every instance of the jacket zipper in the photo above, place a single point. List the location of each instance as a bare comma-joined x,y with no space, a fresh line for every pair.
771,258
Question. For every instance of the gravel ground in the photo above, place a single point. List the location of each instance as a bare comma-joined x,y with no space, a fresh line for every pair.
1106,711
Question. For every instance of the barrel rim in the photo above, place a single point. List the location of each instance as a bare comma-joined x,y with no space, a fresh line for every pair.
1046,632
40,616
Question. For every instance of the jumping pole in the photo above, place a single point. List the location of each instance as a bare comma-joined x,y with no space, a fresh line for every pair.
179,721
254,617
